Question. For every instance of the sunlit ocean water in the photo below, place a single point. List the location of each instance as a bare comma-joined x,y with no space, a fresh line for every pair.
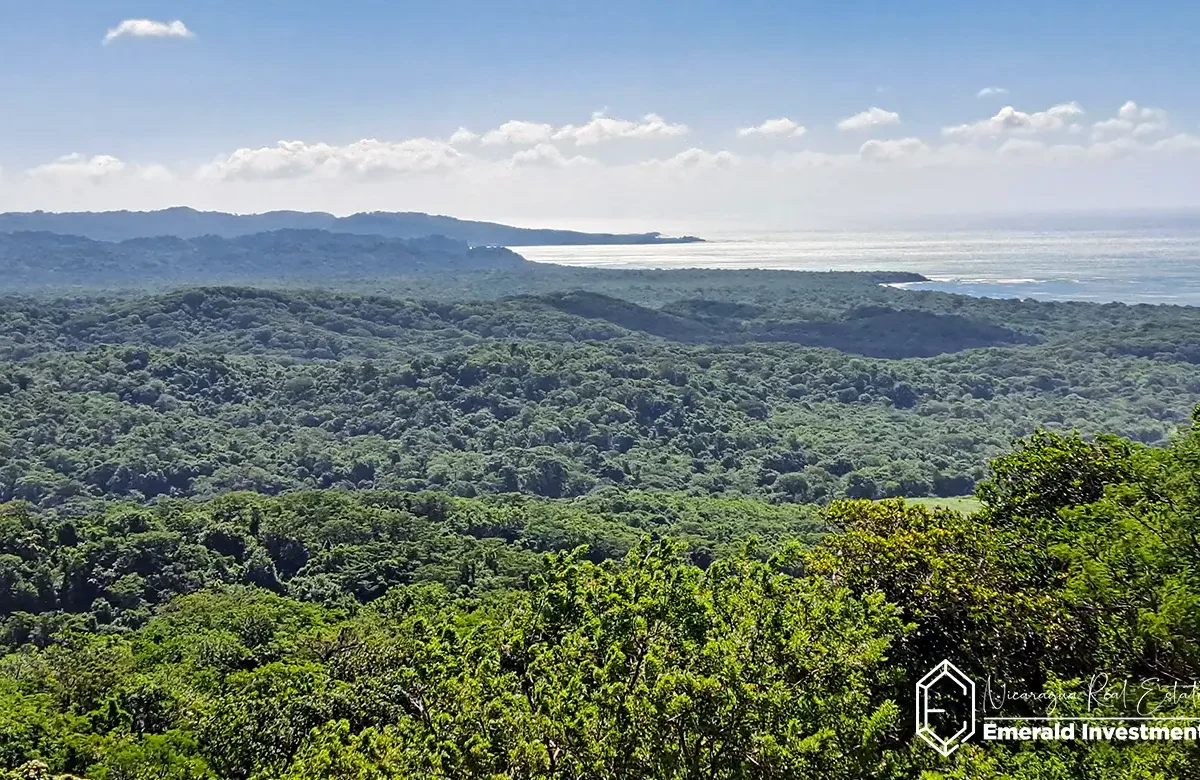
1160,265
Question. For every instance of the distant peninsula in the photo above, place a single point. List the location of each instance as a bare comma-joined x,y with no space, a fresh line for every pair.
184,222
30,260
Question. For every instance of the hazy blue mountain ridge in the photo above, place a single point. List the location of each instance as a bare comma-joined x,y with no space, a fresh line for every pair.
189,223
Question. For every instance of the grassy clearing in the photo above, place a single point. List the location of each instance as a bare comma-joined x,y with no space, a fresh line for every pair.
964,504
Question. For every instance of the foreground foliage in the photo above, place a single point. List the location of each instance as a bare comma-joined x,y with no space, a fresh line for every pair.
777,662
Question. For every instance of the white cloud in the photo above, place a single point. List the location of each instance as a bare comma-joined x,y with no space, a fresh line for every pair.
696,159
775,128
517,133
806,159
549,156
462,136
991,91
78,166
155,173
1132,112
365,158
148,28
1131,119
1009,120
872,117
1111,127
1116,148
1022,146
598,129
604,128
1035,152
550,180
1124,147
1181,142
97,168
896,149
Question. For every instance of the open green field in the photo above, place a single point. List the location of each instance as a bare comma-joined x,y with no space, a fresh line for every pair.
964,504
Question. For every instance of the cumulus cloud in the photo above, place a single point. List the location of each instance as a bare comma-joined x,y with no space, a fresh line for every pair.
696,159
1010,120
1131,119
368,157
1131,112
806,159
887,151
548,155
459,173
872,117
462,136
1039,152
77,166
1111,127
155,173
605,128
991,91
1022,146
598,129
1181,142
1116,148
518,133
148,28
773,128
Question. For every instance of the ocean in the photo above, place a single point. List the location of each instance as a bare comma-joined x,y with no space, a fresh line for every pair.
1158,264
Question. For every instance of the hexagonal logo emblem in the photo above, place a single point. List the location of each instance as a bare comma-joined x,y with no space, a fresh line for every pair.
945,708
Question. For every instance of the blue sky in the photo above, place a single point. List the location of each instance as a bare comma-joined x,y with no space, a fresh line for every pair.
254,73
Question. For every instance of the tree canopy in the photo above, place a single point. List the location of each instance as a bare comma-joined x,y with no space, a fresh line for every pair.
533,522
222,642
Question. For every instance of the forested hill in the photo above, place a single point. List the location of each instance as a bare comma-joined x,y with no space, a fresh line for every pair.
185,222
199,391
30,260
377,326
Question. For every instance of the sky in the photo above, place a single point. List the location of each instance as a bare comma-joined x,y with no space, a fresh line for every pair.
640,114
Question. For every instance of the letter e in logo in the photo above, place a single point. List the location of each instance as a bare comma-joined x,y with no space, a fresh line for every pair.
945,708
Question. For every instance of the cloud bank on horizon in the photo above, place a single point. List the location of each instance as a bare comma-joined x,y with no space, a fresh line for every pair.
522,161
657,169
645,165
1051,136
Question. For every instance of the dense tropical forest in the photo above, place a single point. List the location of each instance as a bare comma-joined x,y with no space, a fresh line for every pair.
40,260
836,387
375,634
314,503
